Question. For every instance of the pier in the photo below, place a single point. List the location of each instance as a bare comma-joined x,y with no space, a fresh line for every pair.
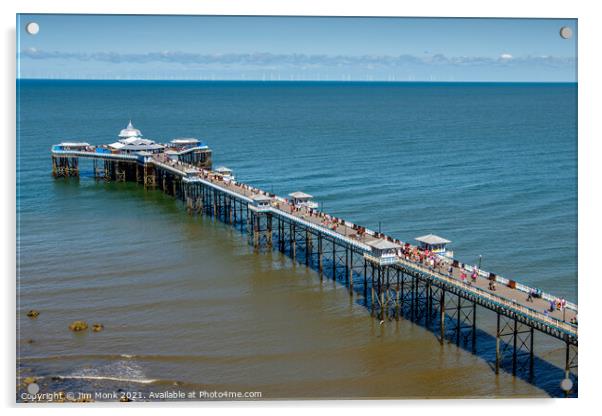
392,278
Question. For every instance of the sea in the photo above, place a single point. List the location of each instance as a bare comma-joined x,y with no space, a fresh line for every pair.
188,306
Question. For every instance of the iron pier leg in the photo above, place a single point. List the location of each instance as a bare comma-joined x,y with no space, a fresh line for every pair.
256,220
385,292
397,294
306,247
403,301
269,229
532,354
372,290
474,327
334,260
292,240
214,204
365,281
351,272
320,256
412,299
309,252
381,289
459,322
567,361
428,304
346,263
497,346
514,350
441,316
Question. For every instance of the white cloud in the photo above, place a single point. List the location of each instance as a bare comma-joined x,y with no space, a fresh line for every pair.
263,60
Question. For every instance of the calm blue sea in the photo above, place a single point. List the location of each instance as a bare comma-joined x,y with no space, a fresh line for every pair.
492,167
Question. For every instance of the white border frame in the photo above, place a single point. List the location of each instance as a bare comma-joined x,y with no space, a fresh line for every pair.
590,135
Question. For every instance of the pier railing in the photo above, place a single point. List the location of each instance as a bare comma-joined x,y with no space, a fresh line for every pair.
503,302
82,153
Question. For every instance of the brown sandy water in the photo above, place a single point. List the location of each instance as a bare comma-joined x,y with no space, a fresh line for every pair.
210,313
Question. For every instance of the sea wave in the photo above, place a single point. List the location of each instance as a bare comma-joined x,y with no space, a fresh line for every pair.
107,378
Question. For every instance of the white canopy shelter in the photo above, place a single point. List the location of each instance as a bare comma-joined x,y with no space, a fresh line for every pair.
433,243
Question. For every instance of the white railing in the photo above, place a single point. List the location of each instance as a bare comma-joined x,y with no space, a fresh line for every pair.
495,299
226,190
387,260
323,230
523,288
82,153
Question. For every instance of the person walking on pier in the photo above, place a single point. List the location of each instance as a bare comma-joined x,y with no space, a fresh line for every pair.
431,263
475,274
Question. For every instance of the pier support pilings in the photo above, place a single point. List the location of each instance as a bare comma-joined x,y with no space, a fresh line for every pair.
259,228
149,176
63,167
571,359
514,346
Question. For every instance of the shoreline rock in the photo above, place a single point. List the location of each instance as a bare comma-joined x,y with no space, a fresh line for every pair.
78,326
33,314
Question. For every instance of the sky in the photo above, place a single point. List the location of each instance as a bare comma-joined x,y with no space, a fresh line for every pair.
296,48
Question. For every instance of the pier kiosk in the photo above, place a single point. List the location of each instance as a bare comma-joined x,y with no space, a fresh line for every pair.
383,252
259,222
382,258
185,143
226,173
301,199
261,202
435,244
190,150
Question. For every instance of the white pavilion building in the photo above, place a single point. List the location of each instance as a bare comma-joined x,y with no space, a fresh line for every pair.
131,141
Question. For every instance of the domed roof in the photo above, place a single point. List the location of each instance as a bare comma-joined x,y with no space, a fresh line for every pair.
130,131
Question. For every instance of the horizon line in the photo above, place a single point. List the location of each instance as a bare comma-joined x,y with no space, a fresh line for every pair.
297,81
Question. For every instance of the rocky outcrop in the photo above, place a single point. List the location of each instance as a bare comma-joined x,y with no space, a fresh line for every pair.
78,326
33,314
